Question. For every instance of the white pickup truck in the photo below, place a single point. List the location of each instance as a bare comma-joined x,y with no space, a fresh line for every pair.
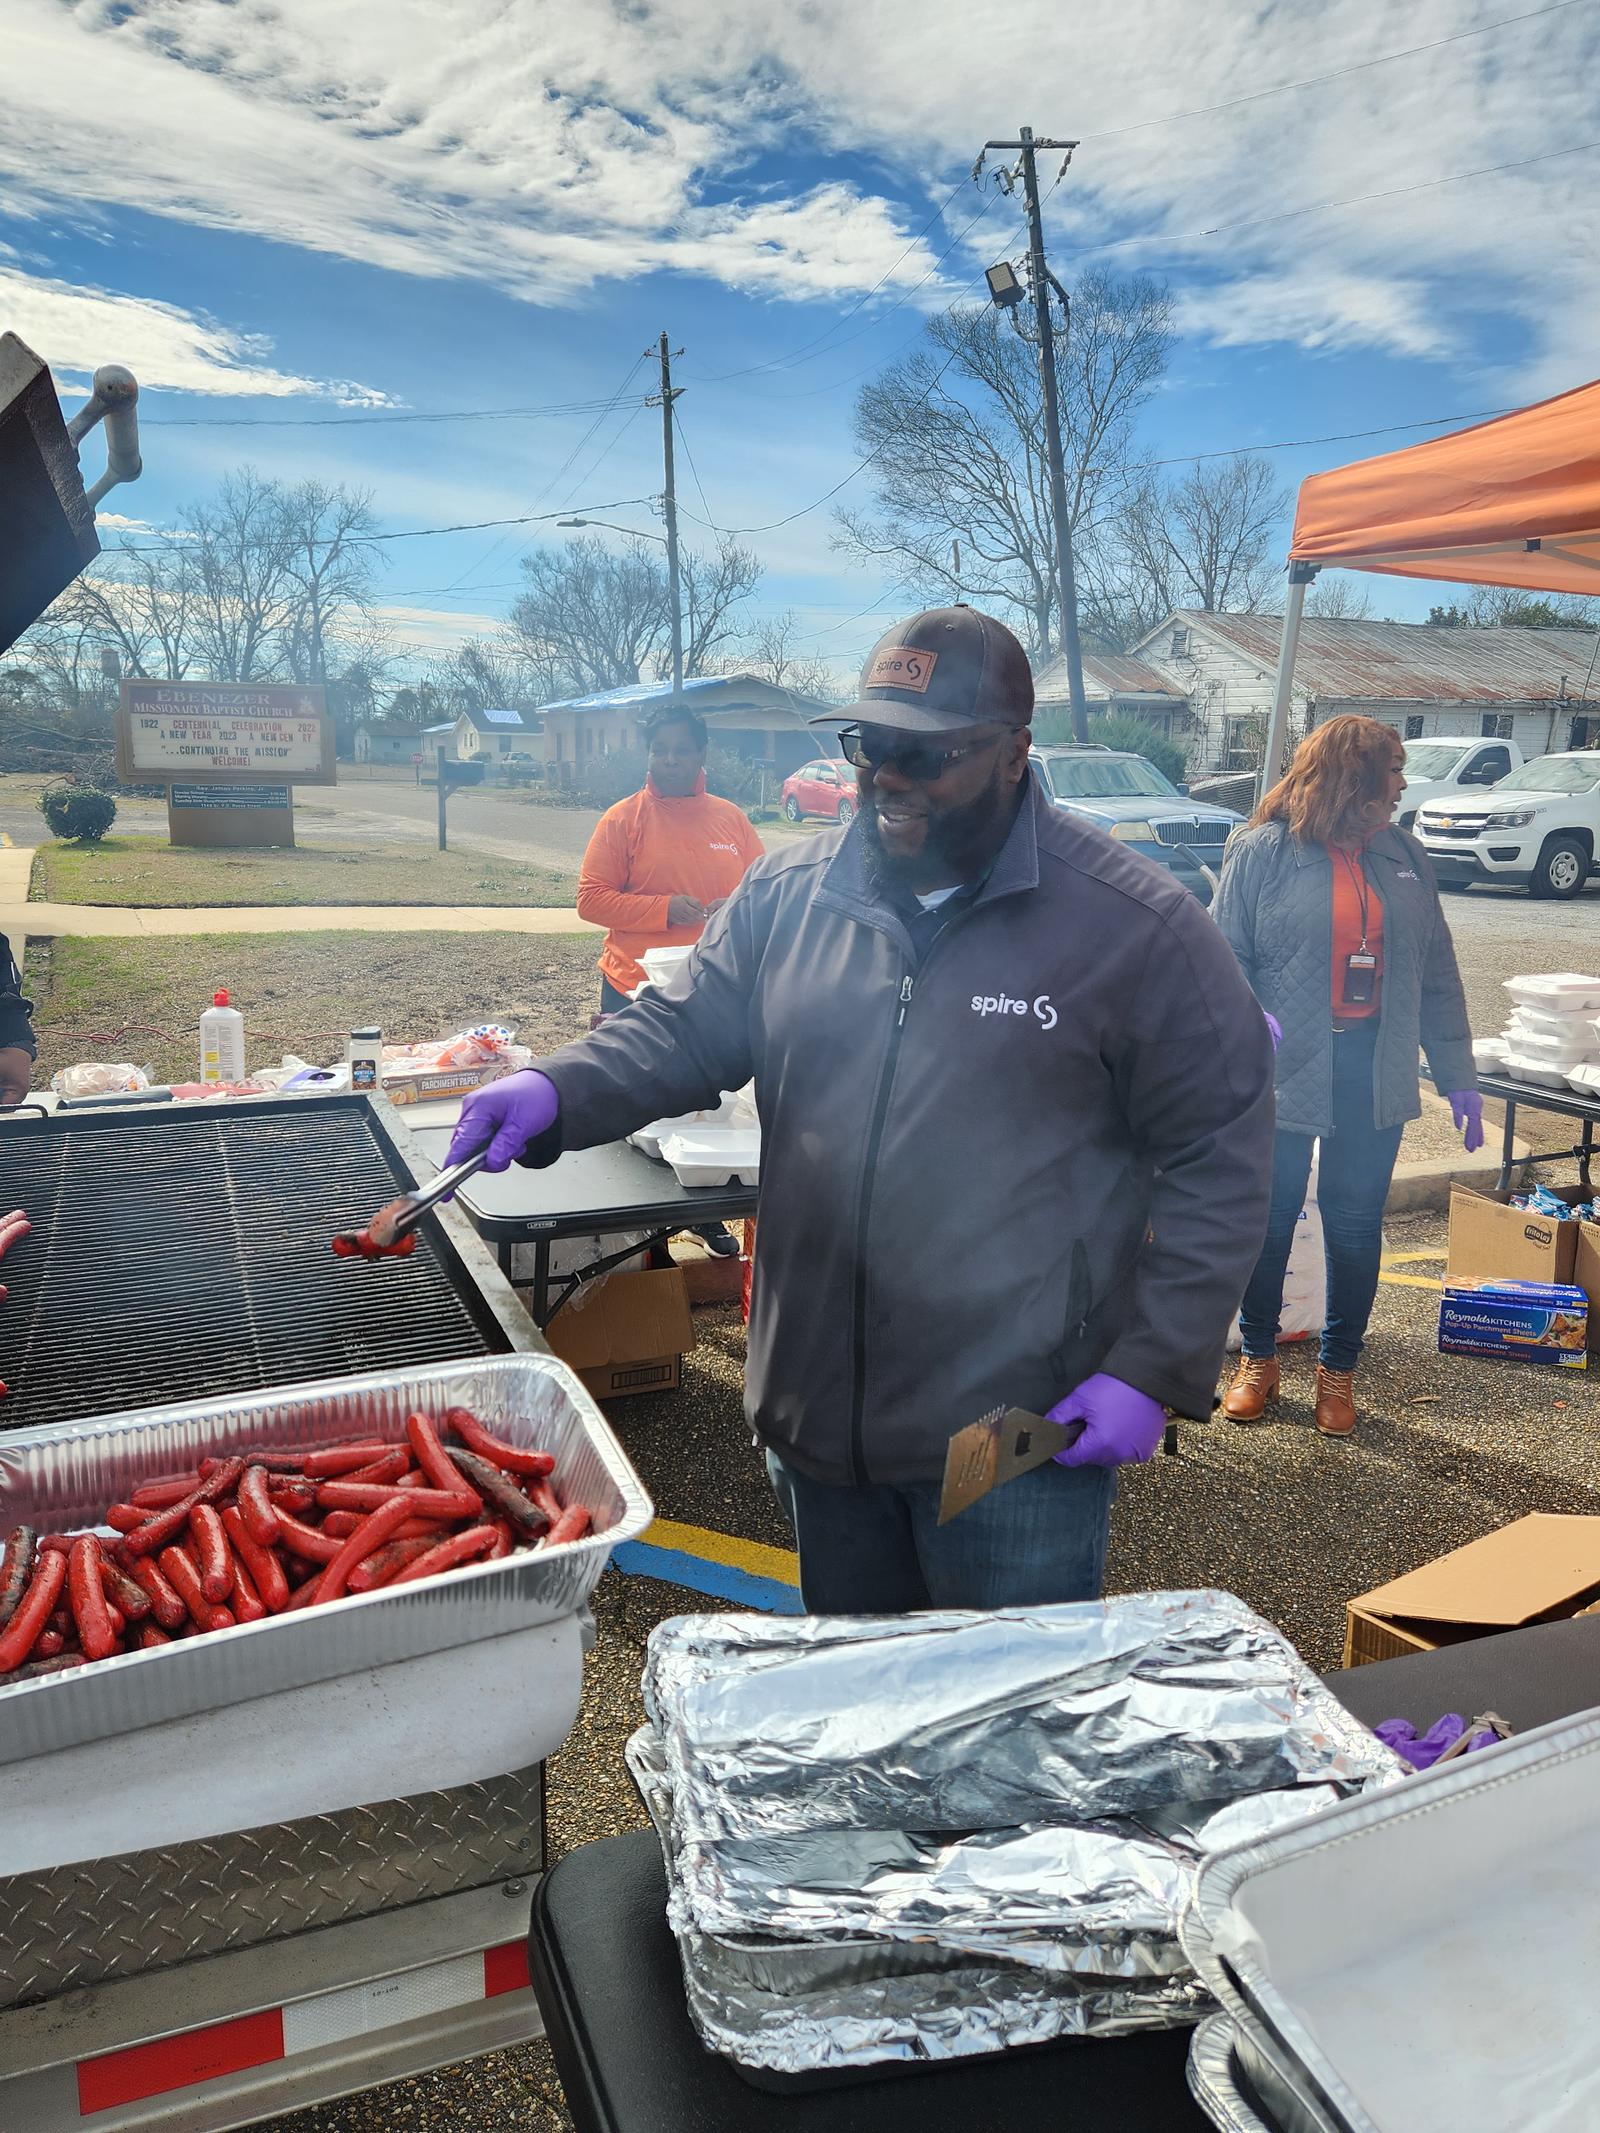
1454,765
1538,830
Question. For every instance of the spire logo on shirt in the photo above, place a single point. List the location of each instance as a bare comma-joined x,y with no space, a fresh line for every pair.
1043,1012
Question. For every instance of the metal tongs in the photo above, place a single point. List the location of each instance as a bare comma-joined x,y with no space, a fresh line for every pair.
391,1234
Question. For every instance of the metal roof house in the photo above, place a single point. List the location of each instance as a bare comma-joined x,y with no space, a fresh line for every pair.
1540,688
765,723
1114,683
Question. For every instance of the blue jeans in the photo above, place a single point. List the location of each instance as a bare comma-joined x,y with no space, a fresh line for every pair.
1357,1163
880,1550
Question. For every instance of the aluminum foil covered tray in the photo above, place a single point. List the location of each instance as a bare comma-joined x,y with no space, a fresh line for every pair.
928,1836
64,1476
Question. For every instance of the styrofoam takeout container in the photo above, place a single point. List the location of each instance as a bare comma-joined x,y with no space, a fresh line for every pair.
1555,989
1489,1051
713,1156
1539,1071
1568,1050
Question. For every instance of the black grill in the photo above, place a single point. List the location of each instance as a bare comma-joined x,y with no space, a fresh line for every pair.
185,1255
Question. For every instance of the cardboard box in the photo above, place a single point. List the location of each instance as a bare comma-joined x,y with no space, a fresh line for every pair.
1542,1568
1586,1273
1490,1240
434,1085
1516,1321
626,1334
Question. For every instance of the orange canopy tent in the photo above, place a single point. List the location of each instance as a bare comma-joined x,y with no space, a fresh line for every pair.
1515,502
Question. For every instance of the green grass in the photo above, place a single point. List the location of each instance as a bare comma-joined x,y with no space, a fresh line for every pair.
143,873
140,1000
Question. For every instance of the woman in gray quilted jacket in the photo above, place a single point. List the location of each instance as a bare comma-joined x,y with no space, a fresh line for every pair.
1335,918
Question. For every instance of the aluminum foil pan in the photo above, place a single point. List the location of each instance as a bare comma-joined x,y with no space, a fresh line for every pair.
1214,2081
1128,1707
1465,1897
64,1476
791,2006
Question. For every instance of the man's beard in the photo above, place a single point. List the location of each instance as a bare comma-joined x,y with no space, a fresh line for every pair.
961,842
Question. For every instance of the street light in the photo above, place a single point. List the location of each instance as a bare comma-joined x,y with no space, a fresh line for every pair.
632,532
1004,285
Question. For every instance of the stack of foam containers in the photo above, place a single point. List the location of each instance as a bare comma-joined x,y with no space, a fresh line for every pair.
713,1147
1553,1037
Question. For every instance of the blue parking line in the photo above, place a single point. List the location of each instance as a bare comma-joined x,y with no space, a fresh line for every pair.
740,1588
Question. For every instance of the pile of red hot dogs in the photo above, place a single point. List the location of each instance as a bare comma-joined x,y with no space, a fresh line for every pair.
266,1532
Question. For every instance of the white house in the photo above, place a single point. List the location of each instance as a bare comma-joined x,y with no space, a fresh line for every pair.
493,734
1540,688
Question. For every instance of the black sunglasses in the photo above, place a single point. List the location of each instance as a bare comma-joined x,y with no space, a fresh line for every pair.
871,747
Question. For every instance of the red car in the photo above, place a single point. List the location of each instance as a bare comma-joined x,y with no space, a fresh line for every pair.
825,788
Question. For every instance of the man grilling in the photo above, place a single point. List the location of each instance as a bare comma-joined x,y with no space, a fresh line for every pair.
1017,1116
17,1047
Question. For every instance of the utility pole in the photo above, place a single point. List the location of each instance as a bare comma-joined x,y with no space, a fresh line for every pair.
1041,281
669,503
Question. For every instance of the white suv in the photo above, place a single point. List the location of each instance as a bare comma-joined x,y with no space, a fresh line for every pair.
1539,829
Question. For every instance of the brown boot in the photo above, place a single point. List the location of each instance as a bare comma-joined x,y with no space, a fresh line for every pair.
1336,1402
1255,1382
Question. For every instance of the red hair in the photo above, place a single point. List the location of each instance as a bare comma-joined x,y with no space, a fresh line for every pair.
1338,772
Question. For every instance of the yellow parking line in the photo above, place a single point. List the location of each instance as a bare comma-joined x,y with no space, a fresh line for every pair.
1408,1281
753,1557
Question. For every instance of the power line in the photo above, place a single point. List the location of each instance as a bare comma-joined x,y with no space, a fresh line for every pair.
417,533
1312,81
1291,444
699,487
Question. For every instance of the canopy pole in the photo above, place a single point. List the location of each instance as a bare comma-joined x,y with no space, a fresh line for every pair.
1300,576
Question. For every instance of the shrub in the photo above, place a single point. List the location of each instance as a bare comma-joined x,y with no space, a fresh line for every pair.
77,813
763,814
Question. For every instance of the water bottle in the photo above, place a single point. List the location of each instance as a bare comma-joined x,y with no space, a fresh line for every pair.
221,1040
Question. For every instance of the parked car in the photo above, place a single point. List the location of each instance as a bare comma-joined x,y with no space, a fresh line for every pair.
1438,770
821,791
520,767
1539,830
1131,800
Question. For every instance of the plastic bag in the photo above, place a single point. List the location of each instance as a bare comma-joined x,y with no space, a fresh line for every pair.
99,1078
1305,1280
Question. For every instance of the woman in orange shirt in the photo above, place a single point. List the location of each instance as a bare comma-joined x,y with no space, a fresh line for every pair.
660,863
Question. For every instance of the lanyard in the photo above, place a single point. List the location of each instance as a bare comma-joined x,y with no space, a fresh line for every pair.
1358,877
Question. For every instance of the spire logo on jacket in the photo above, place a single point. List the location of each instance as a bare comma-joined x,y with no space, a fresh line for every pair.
1002,1004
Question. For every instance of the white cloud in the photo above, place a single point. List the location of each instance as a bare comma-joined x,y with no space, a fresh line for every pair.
77,328
542,145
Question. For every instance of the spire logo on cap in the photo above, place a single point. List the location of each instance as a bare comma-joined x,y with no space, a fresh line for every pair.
899,666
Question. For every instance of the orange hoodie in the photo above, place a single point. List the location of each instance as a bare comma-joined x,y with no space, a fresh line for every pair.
648,849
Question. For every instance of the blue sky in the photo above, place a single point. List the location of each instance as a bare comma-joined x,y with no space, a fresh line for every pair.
287,213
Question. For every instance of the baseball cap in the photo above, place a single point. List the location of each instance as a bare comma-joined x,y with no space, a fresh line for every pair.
943,669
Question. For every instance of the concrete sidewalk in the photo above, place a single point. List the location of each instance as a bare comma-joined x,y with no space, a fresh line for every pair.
19,918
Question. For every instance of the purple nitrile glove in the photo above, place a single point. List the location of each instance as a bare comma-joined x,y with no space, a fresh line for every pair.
1423,1750
1274,1028
1120,1425
508,1114
1466,1110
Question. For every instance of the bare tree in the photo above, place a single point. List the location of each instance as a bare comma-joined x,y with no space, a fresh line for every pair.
1502,607
713,588
597,617
956,434
486,672
1337,597
327,562
245,590
1206,541
772,652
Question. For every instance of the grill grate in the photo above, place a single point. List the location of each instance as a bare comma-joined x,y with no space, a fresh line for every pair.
186,1257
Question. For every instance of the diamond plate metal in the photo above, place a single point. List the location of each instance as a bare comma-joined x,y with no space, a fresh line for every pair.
111,1918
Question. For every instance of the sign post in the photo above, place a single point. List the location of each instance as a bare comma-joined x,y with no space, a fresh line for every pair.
229,753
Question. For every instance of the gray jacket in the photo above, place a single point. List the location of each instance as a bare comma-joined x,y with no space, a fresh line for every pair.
1275,908
1042,1152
